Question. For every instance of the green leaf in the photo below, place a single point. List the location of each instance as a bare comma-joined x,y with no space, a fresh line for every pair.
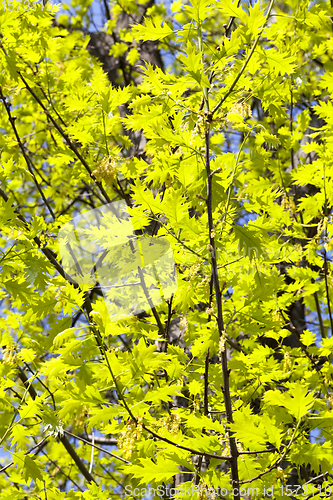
297,400
280,63
148,471
150,32
30,468
162,394
249,243
18,434
63,336
8,213
194,66
308,338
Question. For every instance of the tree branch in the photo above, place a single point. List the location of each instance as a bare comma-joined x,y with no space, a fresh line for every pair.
218,299
70,143
76,436
26,157
186,448
46,251
80,465
39,447
101,440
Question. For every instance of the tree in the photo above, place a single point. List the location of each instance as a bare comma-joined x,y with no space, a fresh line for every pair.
166,198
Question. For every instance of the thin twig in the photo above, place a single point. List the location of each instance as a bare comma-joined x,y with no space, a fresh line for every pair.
206,384
272,467
39,446
315,478
186,448
47,252
270,450
69,142
26,157
62,471
42,383
218,300
278,461
326,287
320,319
76,436
234,83
63,439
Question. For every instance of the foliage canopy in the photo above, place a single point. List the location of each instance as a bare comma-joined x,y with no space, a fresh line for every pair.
211,121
